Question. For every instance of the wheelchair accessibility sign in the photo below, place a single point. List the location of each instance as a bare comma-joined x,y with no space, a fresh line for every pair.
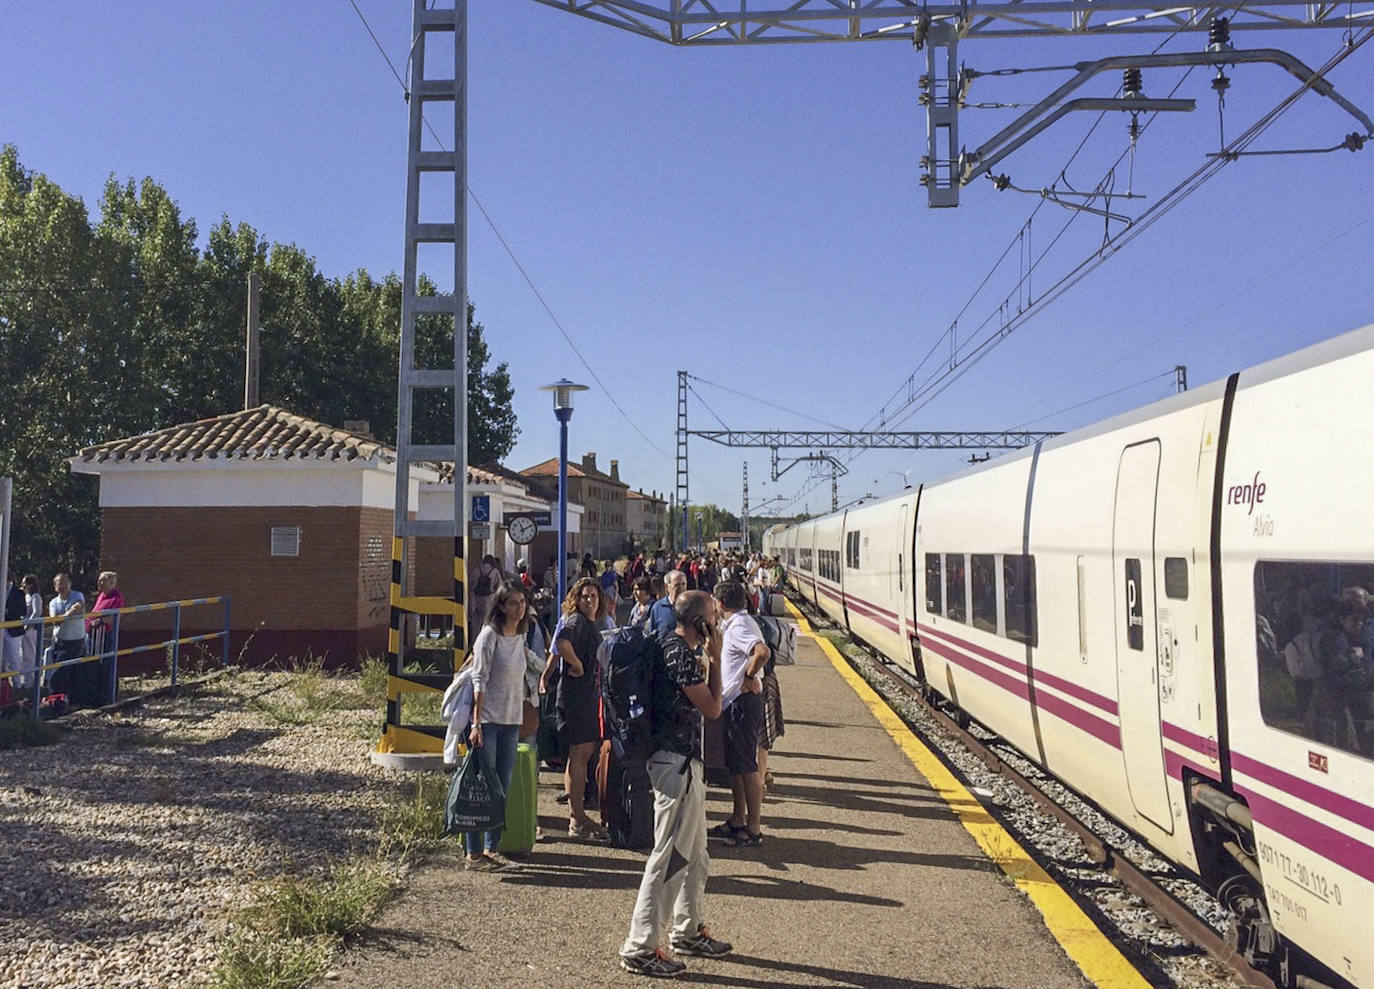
481,508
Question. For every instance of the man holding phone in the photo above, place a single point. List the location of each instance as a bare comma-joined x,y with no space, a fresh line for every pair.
686,689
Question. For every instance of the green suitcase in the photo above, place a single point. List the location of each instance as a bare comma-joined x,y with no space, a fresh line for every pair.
522,803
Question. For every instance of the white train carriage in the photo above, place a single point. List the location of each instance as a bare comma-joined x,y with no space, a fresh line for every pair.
1147,628
829,532
1294,530
876,575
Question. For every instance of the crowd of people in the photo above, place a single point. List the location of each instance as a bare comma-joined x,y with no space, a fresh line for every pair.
81,633
714,663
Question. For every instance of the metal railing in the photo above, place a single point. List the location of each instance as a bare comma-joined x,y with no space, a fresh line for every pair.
41,670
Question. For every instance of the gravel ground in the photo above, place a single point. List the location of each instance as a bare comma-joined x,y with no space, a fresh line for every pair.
1163,956
125,848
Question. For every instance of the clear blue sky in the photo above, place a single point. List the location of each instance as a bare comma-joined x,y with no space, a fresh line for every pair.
751,215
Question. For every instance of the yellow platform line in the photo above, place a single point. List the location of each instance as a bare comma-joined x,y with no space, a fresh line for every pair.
1091,951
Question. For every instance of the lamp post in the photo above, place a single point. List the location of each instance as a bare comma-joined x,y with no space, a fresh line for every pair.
562,409
701,547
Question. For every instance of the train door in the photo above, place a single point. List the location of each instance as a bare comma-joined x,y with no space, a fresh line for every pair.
1137,658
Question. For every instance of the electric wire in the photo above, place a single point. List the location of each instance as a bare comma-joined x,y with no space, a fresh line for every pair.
883,414
1155,212
762,401
1096,398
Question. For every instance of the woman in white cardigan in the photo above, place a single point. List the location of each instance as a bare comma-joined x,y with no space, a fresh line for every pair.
498,699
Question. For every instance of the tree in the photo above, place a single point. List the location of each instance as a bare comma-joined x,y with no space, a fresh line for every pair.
123,326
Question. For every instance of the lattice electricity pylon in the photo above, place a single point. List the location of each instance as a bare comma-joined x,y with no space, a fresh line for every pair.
682,495
402,745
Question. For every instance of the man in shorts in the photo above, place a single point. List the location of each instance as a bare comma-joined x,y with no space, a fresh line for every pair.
743,656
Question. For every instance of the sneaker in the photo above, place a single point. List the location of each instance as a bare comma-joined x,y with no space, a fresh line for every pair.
725,830
498,860
479,863
747,839
562,797
653,964
701,944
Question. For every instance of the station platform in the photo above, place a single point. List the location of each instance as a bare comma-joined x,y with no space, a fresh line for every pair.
873,873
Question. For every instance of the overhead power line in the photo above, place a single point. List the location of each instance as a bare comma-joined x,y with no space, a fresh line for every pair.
610,396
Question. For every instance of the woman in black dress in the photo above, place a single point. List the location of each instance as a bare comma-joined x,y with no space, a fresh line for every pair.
579,695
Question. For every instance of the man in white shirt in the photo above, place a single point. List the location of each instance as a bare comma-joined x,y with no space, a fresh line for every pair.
743,655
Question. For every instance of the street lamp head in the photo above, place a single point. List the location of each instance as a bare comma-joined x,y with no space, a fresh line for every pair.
563,393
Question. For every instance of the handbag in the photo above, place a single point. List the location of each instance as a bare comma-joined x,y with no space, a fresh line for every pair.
476,800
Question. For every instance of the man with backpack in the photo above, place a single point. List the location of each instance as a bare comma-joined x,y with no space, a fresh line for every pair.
744,654
686,688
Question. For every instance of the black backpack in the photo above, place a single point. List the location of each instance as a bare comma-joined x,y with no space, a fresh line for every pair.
482,585
633,657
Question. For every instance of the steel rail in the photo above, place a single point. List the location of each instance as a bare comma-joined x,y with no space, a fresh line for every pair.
1172,910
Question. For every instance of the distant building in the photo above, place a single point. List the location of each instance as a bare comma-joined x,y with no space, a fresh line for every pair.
508,494
605,532
646,516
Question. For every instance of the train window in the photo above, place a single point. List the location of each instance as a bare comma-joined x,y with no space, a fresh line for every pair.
983,573
933,604
1314,642
851,551
954,587
1018,598
1176,578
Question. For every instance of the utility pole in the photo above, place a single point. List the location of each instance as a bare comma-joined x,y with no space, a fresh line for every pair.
744,515
682,495
1181,378
250,357
834,485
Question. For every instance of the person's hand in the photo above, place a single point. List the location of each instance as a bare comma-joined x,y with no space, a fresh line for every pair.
544,682
475,736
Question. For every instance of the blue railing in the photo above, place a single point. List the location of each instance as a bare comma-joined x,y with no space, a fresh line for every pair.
41,671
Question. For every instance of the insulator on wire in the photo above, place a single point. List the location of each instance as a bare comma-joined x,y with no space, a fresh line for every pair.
1131,84
1219,34
1221,83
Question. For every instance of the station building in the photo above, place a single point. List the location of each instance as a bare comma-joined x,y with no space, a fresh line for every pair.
289,517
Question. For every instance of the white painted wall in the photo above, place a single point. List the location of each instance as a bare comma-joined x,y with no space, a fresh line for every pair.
237,483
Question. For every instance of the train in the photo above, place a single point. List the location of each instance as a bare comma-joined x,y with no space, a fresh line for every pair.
1151,608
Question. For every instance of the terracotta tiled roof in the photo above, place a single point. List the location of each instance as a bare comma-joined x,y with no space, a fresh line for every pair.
634,495
549,468
486,474
263,433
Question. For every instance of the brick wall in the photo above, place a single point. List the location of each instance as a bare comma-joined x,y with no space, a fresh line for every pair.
334,589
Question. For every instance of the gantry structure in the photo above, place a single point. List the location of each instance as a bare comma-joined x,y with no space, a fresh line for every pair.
936,30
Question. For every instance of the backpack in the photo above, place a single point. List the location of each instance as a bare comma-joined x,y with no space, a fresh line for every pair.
482,585
633,655
1300,656
781,638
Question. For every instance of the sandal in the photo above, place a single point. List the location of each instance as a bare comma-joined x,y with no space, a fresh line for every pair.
747,839
586,829
725,830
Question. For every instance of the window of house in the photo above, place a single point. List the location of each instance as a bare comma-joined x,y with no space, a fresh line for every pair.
983,574
954,587
1018,598
1313,644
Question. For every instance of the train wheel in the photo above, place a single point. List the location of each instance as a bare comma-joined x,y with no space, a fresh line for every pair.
1250,933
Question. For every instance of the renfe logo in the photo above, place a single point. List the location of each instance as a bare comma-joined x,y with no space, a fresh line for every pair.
1251,494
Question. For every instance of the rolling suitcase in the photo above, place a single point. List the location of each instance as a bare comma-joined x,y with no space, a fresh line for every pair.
627,800
777,604
522,800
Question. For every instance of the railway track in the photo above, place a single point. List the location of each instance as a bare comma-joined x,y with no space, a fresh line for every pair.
894,684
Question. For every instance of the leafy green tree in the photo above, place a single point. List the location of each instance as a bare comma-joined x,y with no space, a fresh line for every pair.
124,326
